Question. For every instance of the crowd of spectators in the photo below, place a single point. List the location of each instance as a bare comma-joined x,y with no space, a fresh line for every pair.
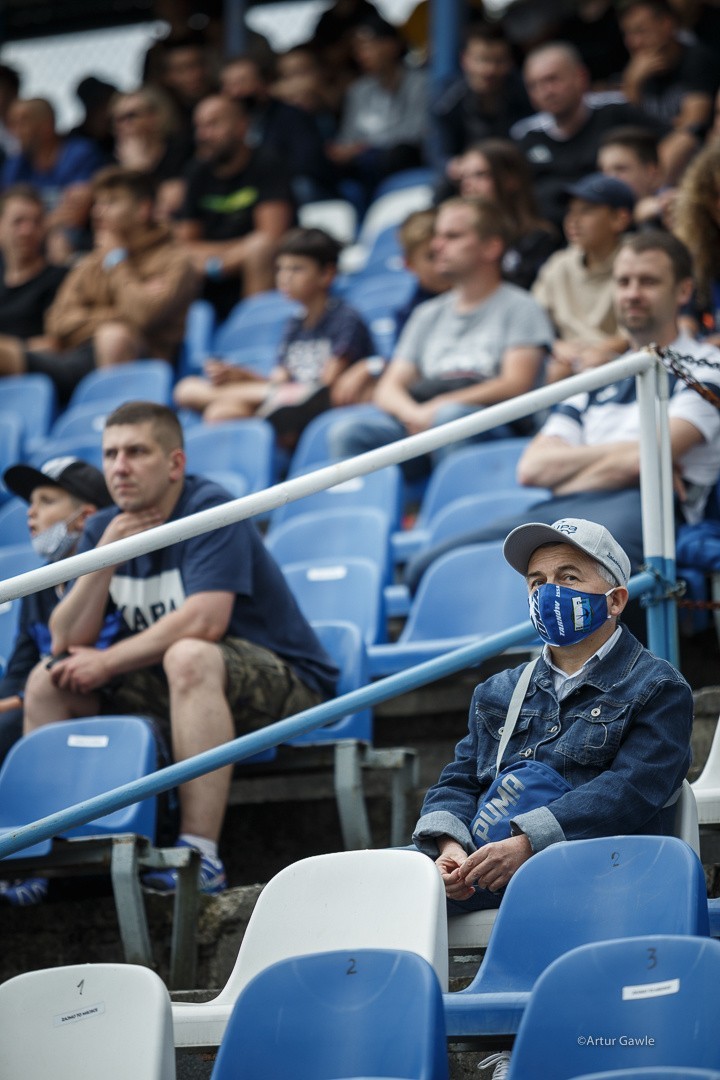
562,142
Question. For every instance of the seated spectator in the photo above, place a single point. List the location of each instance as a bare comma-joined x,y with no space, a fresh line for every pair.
45,159
127,299
588,450
95,96
562,140
416,235
185,70
480,343
237,206
495,169
9,91
630,154
300,80
28,283
61,496
623,782
357,383
575,286
669,79
384,115
211,640
318,346
593,28
289,132
697,223
147,135
483,103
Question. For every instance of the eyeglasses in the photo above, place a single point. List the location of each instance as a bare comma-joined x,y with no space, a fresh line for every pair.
131,114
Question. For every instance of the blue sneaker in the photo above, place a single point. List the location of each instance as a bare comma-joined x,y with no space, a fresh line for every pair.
25,893
213,879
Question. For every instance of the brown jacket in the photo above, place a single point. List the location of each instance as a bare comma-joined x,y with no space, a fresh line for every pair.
150,290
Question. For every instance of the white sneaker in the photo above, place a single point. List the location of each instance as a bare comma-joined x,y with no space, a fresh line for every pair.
501,1061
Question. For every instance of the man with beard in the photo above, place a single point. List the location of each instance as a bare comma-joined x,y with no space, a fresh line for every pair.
588,450
237,206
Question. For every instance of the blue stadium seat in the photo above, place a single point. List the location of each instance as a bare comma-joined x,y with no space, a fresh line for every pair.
258,320
655,1072
382,489
15,559
473,511
362,531
85,445
470,470
404,179
312,447
64,763
197,343
570,894
11,444
344,643
140,380
656,990
13,523
354,1013
32,397
342,588
245,447
79,421
68,762
454,606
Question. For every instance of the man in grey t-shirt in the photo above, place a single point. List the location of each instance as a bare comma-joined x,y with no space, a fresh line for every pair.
481,343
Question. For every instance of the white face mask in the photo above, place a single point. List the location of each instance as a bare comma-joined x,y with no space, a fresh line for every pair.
56,542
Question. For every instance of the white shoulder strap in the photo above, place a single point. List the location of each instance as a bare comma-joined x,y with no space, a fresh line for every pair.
514,709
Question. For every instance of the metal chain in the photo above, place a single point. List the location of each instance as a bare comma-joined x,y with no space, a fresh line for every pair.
677,363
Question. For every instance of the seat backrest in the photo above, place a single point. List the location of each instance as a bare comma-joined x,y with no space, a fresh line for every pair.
471,470
649,996
312,448
652,1072
340,588
144,380
86,445
362,531
87,1021
373,899
392,209
343,642
244,447
258,320
370,1012
14,559
452,598
589,890
11,443
383,489
13,523
78,421
336,216
33,398
473,511
65,763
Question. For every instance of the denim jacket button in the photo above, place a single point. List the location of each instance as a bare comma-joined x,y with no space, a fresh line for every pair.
554,729
527,753
595,712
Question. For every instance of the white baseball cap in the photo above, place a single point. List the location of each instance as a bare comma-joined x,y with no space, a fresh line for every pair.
587,536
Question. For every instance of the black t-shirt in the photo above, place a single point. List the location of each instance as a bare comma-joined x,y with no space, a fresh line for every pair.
459,119
225,205
23,307
695,73
558,162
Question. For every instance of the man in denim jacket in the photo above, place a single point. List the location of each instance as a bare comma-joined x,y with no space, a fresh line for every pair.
612,719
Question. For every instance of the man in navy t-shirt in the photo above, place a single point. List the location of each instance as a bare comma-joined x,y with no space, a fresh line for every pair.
212,641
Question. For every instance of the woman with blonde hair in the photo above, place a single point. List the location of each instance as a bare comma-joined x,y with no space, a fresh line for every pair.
697,224
147,134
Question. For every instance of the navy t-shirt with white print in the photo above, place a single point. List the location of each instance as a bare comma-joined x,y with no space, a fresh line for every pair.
231,559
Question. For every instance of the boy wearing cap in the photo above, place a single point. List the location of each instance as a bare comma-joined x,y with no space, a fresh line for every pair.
61,495
575,286
612,721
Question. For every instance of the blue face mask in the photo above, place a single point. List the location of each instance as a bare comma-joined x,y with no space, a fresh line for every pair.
564,616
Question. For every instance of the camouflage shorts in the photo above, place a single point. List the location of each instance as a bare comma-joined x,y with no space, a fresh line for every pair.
260,688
